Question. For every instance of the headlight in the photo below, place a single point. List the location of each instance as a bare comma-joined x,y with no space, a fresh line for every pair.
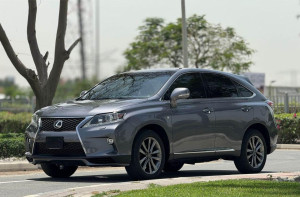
102,119
36,120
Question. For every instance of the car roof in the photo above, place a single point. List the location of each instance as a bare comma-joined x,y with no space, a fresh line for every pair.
184,70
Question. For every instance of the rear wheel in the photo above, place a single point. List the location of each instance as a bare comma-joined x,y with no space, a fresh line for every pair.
173,166
147,157
58,171
253,153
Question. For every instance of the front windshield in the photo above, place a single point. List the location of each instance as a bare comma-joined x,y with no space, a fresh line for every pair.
129,86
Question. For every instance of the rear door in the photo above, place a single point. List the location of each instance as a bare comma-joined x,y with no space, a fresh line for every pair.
232,108
192,119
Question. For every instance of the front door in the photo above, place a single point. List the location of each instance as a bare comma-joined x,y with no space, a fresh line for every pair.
192,119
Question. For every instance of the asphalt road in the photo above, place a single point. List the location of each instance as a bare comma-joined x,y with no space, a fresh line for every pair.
37,182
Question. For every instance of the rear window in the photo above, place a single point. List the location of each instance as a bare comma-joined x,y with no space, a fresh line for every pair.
219,86
242,91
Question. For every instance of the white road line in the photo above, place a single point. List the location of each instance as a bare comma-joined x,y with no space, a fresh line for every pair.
57,192
15,181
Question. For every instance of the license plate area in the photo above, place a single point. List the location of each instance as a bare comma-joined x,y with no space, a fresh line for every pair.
54,142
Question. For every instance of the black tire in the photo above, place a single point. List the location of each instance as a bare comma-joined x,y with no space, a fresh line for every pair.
250,161
173,166
56,171
135,169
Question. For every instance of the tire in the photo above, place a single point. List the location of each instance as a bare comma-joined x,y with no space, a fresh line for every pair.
147,157
251,161
55,171
173,166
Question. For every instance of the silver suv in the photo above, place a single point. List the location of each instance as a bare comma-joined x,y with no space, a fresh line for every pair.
155,120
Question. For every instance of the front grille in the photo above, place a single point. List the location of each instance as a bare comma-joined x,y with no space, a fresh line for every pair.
68,124
69,149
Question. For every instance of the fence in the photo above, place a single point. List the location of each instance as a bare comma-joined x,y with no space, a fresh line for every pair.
24,104
286,103
17,105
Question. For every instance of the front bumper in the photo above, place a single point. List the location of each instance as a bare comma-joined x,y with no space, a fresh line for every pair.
83,147
112,160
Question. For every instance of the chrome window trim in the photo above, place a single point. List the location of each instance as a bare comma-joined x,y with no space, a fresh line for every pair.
202,72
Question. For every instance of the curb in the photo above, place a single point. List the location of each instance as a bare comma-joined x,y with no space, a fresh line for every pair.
288,146
17,166
25,166
87,191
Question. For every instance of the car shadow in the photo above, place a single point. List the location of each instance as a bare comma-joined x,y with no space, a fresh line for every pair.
123,177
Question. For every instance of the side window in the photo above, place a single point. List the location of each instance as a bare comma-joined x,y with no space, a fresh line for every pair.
192,81
219,86
242,91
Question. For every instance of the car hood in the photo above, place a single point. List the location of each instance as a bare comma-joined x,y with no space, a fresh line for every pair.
83,108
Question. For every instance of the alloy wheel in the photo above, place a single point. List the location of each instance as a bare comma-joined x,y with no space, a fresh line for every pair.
255,151
150,155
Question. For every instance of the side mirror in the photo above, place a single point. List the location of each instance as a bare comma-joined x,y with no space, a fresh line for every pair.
179,93
83,93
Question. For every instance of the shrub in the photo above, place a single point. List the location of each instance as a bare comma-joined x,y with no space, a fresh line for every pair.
12,145
289,128
14,123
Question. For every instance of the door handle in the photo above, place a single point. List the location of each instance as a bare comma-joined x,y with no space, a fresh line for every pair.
207,110
246,108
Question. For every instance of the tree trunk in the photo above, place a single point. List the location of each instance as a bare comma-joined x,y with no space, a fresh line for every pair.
43,86
42,100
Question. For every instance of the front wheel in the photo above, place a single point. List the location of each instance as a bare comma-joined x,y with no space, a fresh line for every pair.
253,153
58,171
147,157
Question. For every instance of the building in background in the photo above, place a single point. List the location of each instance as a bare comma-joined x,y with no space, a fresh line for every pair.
258,80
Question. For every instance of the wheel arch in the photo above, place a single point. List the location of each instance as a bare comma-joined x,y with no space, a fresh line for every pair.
159,130
263,130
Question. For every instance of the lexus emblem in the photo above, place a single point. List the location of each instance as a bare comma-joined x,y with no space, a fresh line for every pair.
58,124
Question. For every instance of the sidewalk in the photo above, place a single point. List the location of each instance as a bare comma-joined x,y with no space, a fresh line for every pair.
23,165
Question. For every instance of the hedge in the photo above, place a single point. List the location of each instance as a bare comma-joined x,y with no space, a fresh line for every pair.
12,145
12,127
289,128
14,123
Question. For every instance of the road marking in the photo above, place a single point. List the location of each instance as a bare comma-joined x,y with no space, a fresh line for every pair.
58,192
14,181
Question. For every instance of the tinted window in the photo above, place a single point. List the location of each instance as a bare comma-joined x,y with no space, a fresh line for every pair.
219,86
243,92
192,81
129,86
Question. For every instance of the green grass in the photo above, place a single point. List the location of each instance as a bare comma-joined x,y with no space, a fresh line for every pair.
108,193
228,188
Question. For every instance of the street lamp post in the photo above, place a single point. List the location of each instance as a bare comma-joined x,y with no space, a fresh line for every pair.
270,88
184,35
97,48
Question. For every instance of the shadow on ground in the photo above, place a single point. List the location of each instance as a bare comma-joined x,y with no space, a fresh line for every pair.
115,178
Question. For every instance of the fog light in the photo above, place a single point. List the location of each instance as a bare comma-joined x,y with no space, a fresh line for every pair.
110,141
